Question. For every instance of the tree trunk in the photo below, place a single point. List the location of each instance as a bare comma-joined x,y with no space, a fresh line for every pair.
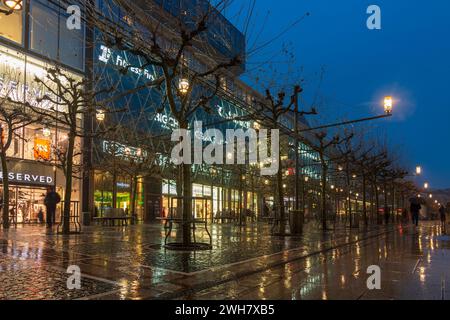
372,204
187,205
349,199
114,188
386,204
282,229
5,183
364,192
324,196
134,183
68,187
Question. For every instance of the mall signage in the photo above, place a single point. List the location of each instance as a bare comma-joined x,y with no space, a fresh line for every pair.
28,178
29,174
108,56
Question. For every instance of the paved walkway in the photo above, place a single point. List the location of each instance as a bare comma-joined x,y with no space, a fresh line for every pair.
245,263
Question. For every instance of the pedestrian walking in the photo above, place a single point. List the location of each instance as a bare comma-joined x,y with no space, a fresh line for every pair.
40,216
442,213
52,198
415,210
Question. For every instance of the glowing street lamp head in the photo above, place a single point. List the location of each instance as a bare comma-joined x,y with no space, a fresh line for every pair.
183,86
13,4
426,185
418,170
100,115
388,105
46,132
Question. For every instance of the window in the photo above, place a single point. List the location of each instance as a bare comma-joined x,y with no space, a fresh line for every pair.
50,37
11,25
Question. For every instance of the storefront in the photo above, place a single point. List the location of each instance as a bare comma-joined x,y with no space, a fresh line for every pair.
211,200
116,191
33,164
28,183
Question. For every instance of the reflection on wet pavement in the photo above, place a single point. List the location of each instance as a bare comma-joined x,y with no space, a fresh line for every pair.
245,263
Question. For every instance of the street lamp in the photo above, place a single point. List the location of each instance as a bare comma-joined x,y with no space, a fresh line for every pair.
388,104
46,132
418,170
426,185
14,4
100,115
183,86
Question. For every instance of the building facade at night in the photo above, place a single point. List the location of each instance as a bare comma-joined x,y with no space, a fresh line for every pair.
36,38
31,40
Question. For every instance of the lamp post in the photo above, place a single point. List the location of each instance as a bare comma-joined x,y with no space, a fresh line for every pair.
388,107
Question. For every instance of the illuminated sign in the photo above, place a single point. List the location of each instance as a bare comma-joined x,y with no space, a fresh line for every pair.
29,173
24,178
106,56
166,122
42,149
121,150
232,116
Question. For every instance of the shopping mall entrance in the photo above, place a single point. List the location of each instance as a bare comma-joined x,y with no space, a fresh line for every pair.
28,183
25,203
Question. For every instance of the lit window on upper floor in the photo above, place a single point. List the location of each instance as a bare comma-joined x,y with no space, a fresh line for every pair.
12,24
50,36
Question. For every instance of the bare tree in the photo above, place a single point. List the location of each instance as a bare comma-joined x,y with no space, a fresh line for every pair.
13,118
130,153
70,99
176,49
326,149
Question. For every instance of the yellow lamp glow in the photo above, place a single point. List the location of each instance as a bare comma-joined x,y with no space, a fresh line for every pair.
46,132
13,4
418,170
183,86
388,104
100,115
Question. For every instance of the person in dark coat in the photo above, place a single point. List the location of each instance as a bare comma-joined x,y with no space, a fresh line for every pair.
52,198
40,216
442,213
415,210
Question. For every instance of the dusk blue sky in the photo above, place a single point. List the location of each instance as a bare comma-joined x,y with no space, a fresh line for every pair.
409,58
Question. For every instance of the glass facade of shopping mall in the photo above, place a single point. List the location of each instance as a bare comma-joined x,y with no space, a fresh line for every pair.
36,38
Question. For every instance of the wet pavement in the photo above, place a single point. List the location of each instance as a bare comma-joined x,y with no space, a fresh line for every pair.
245,263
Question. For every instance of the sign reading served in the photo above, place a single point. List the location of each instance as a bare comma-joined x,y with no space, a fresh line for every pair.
32,174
